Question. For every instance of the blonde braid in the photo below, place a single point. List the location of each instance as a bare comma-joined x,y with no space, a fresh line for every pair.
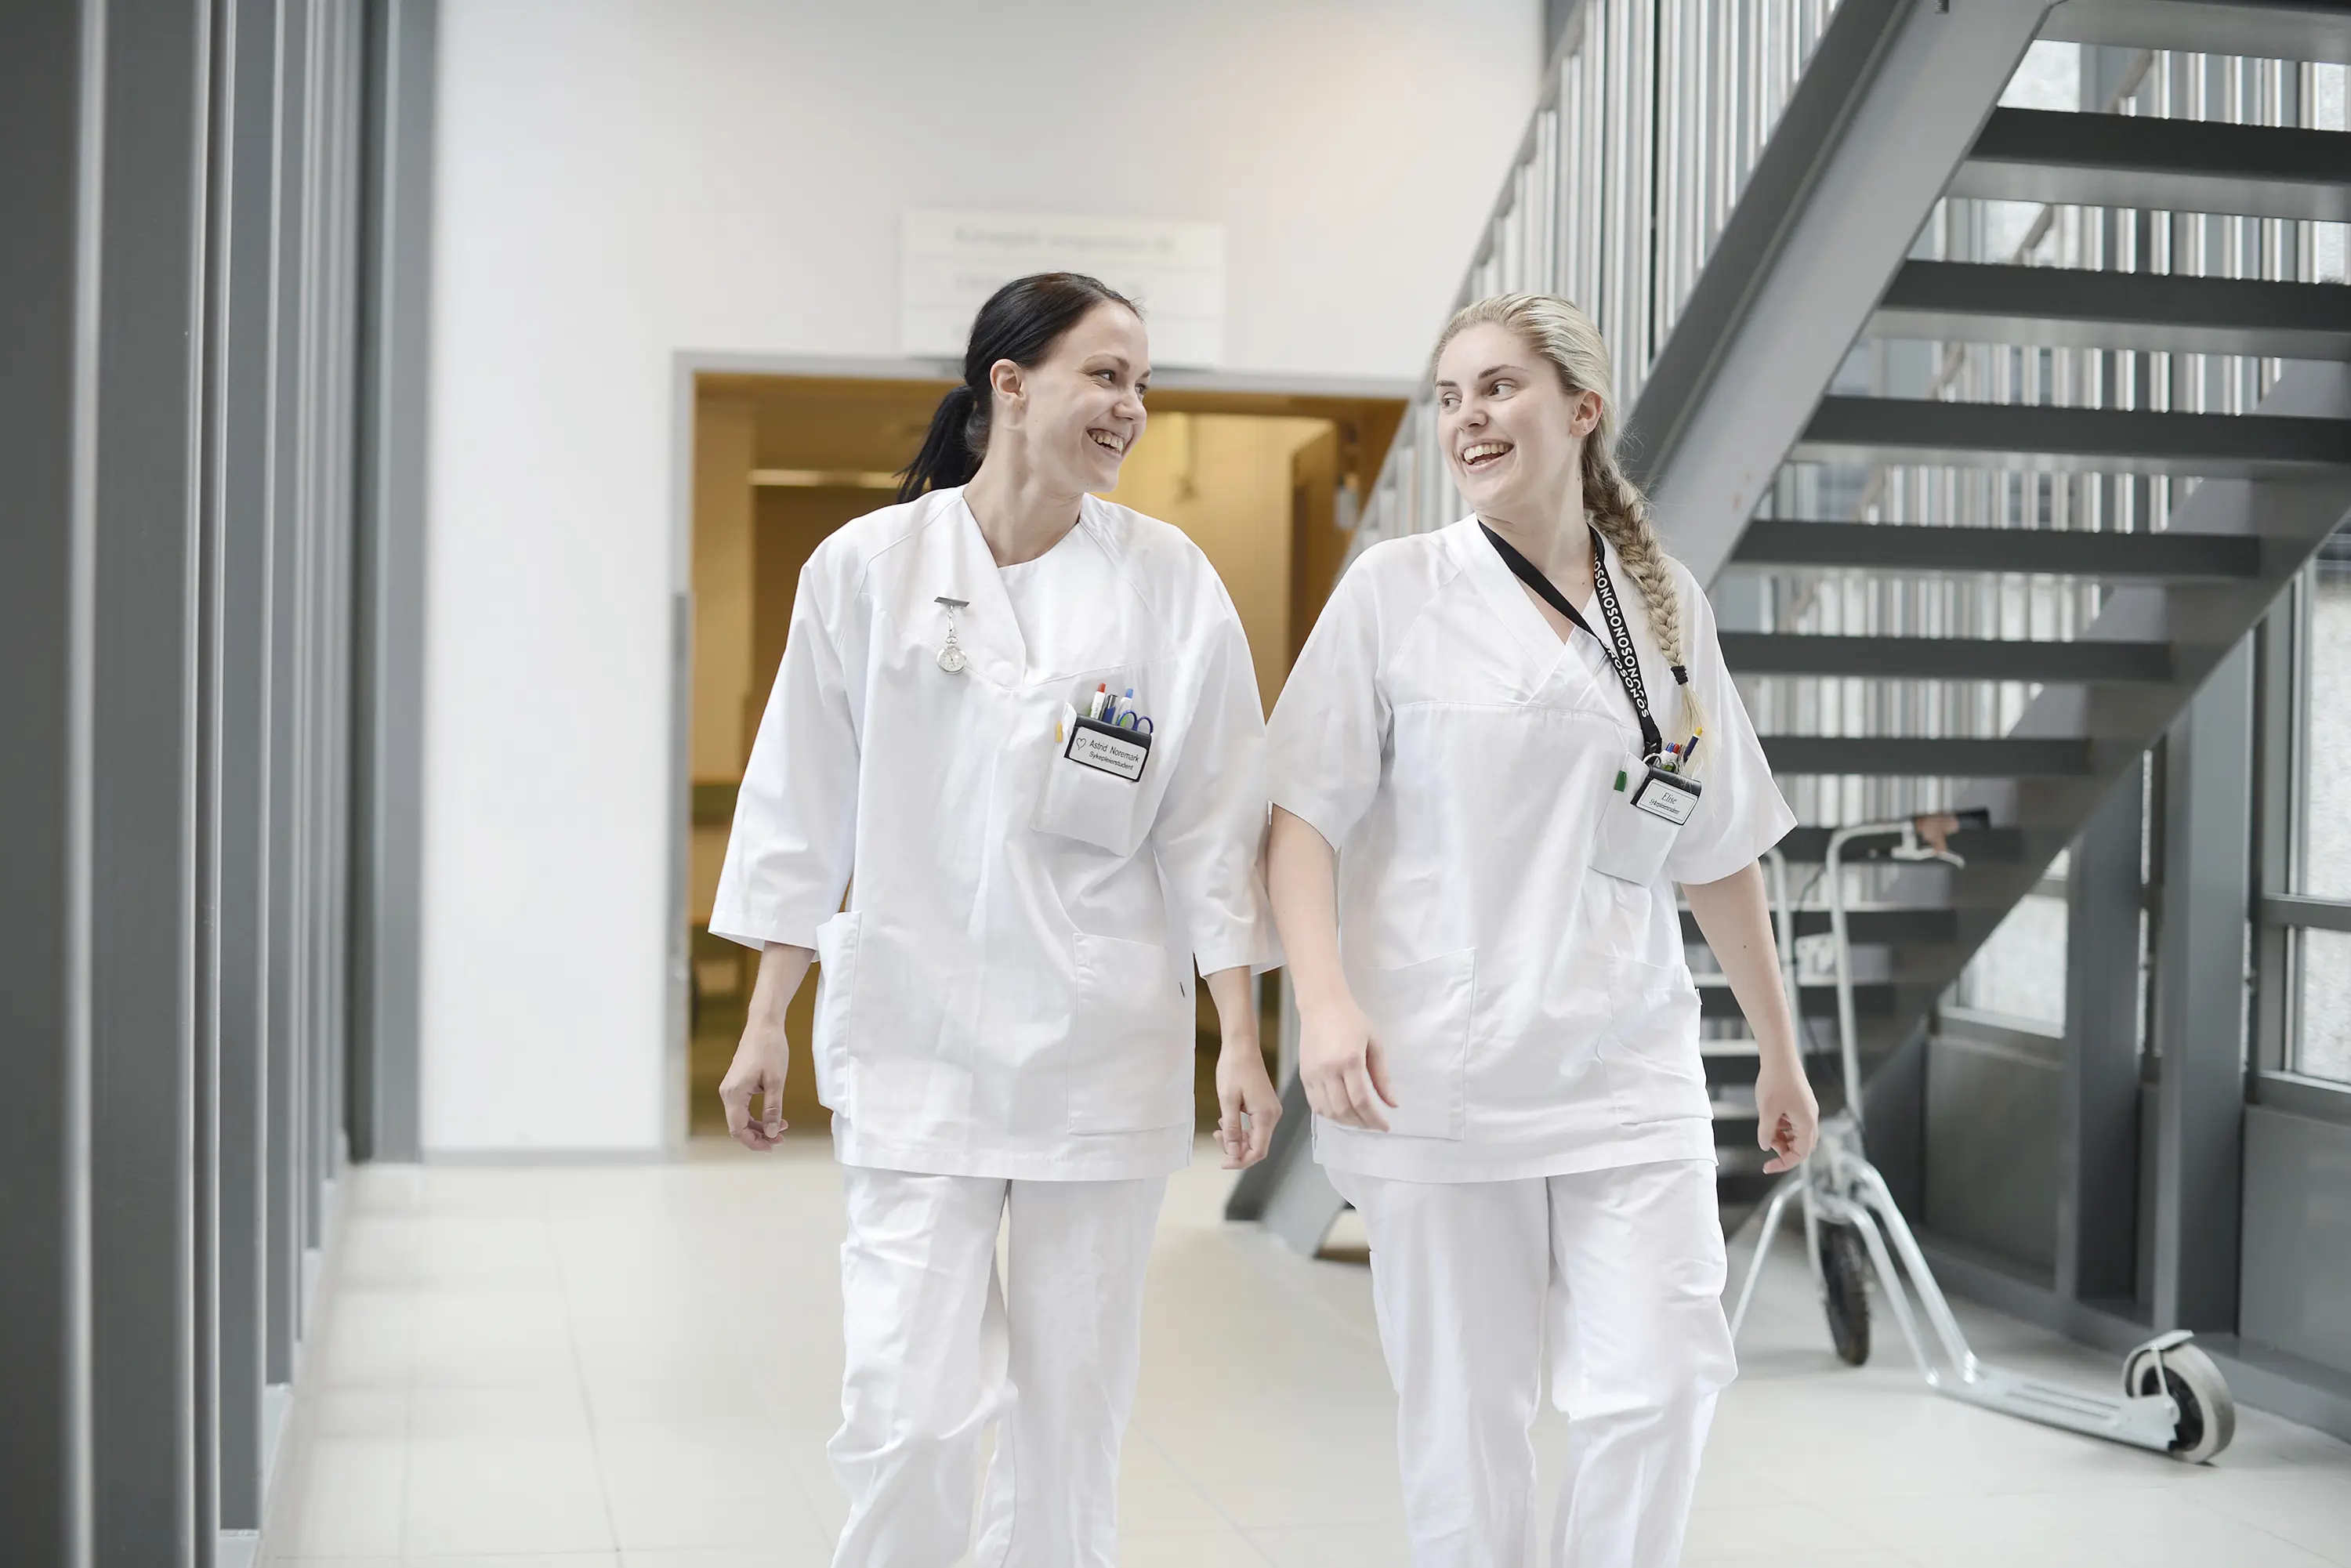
1563,334
1621,512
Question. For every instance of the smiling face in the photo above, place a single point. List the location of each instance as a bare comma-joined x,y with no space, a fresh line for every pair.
1511,431
1079,410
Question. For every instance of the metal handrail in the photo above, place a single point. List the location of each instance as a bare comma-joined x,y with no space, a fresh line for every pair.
1653,114
1651,117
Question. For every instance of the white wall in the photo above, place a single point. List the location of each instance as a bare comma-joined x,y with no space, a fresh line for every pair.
621,182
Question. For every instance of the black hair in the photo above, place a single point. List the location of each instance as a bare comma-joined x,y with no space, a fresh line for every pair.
1021,322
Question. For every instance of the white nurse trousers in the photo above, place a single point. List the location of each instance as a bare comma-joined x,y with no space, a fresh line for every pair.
1611,1281
939,1348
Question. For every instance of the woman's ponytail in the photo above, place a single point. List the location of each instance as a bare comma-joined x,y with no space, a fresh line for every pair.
1020,322
950,454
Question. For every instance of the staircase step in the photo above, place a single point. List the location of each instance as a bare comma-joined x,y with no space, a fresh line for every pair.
2170,165
1987,846
1734,1103
2057,307
1921,756
1946,658
1869,927
2263,29
2042,438
1911,546
1872,998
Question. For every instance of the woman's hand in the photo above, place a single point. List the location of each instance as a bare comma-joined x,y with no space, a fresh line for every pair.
1342,1068
1787,1117
1247,1105
1735,918
1243,1090
763,1056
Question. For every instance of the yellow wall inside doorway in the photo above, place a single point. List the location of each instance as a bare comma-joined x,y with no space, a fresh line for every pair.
1228,481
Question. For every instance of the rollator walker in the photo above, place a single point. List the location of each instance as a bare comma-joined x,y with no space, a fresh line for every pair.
2174,1400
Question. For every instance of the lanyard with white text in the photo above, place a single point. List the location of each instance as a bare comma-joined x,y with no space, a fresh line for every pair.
1619,640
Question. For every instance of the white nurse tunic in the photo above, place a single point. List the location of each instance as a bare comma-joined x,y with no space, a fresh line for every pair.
1538,1016
1008,992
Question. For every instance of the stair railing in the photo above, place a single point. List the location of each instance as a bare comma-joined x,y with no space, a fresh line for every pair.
2163,83
1651,117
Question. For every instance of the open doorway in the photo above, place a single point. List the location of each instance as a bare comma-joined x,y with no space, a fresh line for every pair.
1265,482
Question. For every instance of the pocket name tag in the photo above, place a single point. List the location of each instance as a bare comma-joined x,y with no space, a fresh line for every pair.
1667,796
1107,748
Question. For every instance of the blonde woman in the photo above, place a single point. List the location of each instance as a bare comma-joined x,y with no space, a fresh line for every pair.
1504,744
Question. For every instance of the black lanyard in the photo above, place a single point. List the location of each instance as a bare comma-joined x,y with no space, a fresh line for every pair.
1619,640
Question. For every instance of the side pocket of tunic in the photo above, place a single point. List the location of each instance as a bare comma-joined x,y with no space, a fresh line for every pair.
1651,1055
1420,1014
1131,1046
836,987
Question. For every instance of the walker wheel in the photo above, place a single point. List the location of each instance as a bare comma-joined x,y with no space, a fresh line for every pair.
1844,1291
2208,1414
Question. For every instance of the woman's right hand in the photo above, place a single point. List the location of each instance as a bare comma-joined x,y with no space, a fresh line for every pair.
1342,1067
762,1058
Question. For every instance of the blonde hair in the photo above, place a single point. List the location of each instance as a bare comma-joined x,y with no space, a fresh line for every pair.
1560,332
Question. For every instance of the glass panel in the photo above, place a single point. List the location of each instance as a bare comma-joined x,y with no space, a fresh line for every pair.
2324,1049
2325,707
2019,973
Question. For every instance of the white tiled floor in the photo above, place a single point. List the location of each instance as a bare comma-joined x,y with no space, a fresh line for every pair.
637,1367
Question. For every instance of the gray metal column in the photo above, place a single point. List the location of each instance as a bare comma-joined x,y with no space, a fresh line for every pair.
2199,1001
281,1182
386,771
48,103
2097,1199
142,796
243,198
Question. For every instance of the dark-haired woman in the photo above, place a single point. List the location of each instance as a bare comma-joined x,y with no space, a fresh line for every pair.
1021,727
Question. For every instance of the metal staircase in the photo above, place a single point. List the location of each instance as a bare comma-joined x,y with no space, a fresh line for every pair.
1994,423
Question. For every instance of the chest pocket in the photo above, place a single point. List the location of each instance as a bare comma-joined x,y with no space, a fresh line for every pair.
1103,780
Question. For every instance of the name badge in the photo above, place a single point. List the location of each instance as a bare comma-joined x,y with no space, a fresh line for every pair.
1667,796
1109,750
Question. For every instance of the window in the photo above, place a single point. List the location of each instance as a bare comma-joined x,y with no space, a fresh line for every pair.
2017,976
2323,711
2322,1046
2307,909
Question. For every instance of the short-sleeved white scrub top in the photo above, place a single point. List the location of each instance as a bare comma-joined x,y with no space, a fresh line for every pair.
1009,990
1537,1016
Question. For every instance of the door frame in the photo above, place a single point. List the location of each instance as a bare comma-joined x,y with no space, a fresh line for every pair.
686,366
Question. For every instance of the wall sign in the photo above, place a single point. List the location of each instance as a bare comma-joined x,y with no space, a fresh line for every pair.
953,260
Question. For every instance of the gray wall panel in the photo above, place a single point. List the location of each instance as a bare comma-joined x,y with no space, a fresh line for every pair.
388,720
1994,1135
142,875
43,621
283,961
245,189
2297,1283
2199,1000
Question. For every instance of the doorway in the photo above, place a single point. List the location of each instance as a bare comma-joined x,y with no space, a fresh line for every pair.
1265,481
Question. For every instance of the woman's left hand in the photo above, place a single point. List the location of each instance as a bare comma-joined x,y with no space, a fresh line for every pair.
1244,1090
1787,1117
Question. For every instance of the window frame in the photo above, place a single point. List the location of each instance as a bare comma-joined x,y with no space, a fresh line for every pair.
2281,691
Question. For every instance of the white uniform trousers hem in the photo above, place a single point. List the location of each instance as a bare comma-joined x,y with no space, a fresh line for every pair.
940,1346
1608,1281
